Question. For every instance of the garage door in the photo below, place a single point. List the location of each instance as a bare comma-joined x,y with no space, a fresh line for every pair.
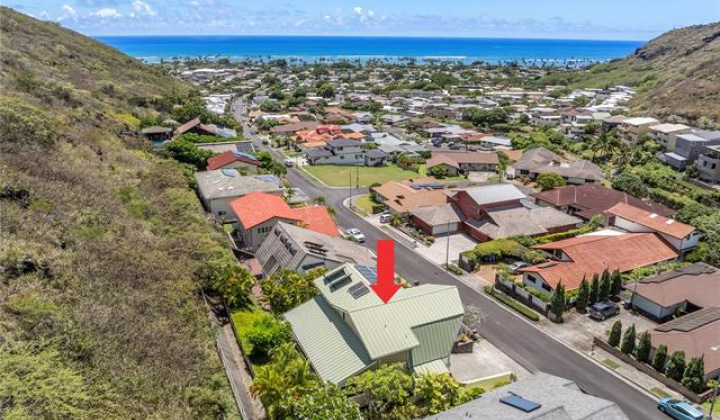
446,228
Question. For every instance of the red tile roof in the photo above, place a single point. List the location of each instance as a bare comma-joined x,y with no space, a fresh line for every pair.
592,254
256,208
226,158
651,220
317,218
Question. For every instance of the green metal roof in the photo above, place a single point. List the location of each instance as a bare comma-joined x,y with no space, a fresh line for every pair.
436,366
386,329
334,350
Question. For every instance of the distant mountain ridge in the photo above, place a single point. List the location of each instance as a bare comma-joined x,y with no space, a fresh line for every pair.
677,73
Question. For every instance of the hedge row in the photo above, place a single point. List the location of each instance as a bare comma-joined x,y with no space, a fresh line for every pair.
507,300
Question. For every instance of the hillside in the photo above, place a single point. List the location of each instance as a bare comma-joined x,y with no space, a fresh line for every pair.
677,73
104,247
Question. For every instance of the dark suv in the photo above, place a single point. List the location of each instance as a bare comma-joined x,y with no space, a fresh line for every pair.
602,310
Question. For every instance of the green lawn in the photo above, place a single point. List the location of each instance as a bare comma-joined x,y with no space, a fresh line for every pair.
611,364
716,411
244,319
364,204
342,176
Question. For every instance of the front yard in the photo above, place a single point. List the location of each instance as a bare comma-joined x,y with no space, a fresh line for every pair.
342,176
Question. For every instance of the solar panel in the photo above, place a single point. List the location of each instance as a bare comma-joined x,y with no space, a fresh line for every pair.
230,173
342,281
358,290
334,276
520,403
245,155
368,272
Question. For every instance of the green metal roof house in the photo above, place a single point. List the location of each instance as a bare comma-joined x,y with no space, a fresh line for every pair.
347,328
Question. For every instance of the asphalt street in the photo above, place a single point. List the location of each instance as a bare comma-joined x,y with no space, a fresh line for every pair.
526,344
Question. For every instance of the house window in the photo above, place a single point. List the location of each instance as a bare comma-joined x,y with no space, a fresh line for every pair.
704,163
264,229
546,287
713,166
221,213
531,278
342,157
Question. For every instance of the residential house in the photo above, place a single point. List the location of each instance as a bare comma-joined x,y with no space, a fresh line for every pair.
364,129
629,218
696,334
157,135
243,162
584,256
402,197
243,146
588,200
708,164
347,329
258,213
664,134
688,148
538,397
337,152
375,157
288,130
461,163
541,160
438,219
299,249
195,126
218,188
685,289
631,129
520,220
487,141
612,122
474,202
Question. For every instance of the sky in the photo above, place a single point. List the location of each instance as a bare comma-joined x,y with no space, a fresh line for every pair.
557,19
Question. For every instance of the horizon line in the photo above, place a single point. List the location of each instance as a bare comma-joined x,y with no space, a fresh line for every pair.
365,36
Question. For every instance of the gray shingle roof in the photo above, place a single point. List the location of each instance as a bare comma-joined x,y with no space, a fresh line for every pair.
228,183
559,399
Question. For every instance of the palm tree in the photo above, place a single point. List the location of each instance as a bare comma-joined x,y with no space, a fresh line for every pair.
320,200
605,144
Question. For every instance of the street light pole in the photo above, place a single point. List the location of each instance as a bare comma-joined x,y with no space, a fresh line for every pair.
447,248
350,190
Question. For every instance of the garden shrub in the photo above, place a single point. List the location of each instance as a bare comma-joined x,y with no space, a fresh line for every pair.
267,334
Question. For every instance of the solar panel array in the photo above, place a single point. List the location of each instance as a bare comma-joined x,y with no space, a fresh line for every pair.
245,155
358,290
230,173
368,272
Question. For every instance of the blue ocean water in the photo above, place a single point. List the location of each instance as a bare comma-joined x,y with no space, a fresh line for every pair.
311,48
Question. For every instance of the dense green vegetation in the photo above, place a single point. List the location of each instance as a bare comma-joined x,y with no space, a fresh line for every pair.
104,247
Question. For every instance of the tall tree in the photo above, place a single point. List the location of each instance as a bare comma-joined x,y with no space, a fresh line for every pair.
583,296
615,283
694,375
594,290
604,292
325,401
675,367
628,342
615,333
644,347
557,303
660,358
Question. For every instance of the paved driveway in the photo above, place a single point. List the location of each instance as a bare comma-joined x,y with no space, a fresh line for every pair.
437,252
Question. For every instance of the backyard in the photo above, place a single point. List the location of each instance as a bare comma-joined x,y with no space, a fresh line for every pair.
341,176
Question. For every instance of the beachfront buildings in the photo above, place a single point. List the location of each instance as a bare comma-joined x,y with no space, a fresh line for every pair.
347,329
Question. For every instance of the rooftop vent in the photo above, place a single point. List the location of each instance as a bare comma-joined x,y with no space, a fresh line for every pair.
670,221
653,216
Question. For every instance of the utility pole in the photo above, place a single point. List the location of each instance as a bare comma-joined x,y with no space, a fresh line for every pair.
350,190
447,248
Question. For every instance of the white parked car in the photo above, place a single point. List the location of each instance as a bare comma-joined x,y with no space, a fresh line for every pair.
356,234
385,218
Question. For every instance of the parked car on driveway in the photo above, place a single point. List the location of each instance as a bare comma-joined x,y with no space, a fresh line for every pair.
517,265
288,163
385,218
356,234
680,410
603,310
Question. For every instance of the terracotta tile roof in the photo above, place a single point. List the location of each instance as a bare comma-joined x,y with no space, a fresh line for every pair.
256,208
592,199
651,220
228,157
402,198
317,218
592,254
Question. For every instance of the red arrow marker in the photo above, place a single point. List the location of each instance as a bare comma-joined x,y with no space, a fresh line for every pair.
385,287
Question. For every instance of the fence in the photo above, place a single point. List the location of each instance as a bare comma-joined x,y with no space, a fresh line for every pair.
650,371
522,295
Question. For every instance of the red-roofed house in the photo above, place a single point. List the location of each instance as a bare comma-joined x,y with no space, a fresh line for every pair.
257,214
633,219
195,126
587,255
233,160
318,219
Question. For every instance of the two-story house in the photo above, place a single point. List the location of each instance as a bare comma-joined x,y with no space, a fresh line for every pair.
631,129
337,152
708,164
688,148
664,134
347,329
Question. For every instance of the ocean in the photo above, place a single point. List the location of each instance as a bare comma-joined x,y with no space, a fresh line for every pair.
313,48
